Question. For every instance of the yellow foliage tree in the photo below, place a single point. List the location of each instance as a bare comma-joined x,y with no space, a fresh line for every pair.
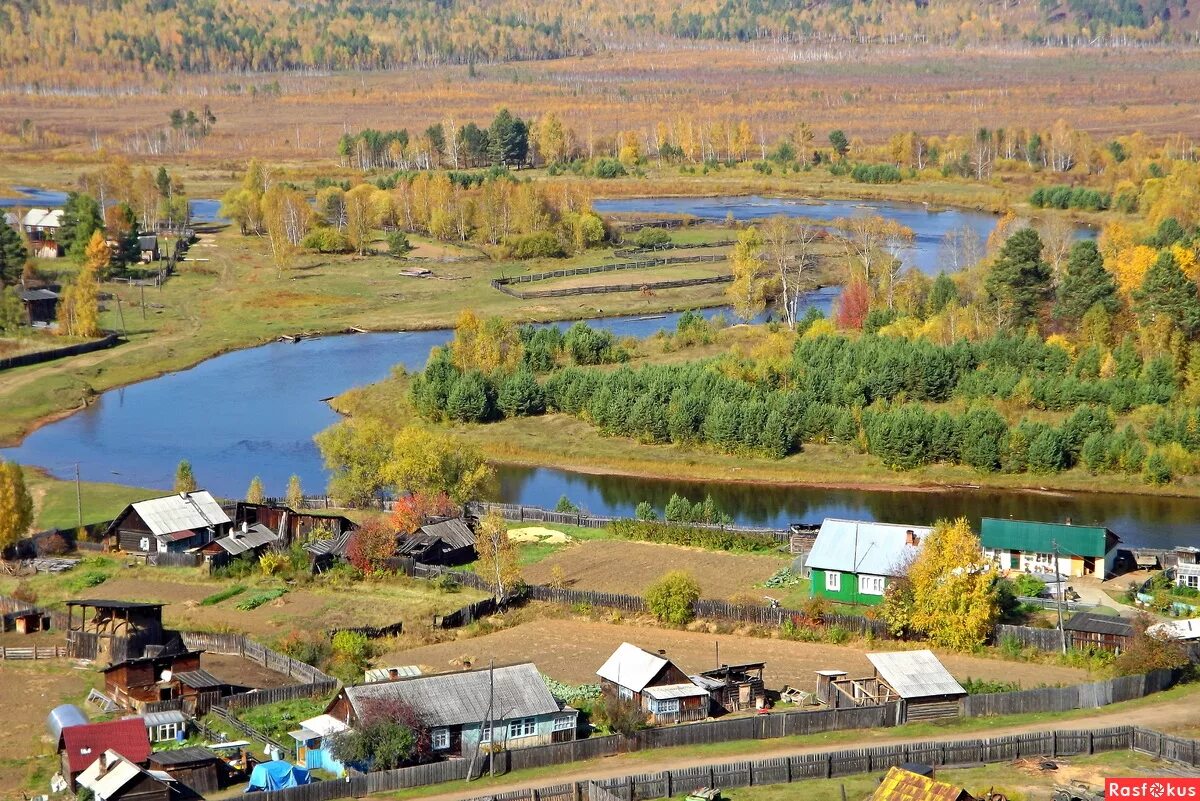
79,307
748,292
485,344
498,563
433,463
363,211
16,506
1129,266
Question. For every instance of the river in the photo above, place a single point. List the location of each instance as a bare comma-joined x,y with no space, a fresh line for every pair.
255,411
204,210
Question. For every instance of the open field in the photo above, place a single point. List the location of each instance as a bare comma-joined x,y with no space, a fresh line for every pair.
630,567
572,650
55,503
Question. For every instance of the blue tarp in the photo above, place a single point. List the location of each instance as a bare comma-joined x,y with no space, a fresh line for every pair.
277,775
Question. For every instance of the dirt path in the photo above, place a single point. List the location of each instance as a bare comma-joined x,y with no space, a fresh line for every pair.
1162,715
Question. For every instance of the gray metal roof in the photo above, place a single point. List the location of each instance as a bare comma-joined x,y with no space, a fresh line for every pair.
632,667
199,679
180,756
1091,623
63,716
182,512
455,532
663,692
38,294
255,536
163,718
335,545
454,699
854,546
915,674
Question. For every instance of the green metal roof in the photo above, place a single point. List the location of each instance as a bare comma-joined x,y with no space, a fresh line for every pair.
1032,537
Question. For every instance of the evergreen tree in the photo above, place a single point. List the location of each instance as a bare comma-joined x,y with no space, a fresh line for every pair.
80,218
520,395
678,510
1158,470
1046,452
1019,281
470,399
1094,453
1086,284
645,511
508,139
943,292
13,255
1167,294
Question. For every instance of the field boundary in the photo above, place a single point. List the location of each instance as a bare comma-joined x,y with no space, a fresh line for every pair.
504,284
26,359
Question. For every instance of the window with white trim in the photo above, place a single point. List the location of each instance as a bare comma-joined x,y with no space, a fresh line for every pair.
564,723
166,731
485,733
833,581
625,694
666,706
870,585
440,739
522,727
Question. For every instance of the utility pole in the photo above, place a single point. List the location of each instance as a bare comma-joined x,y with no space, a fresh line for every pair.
491,717
142,287
121,312
1059,592
78,497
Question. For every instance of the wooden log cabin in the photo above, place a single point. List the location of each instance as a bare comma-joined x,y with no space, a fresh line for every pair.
170,524
654,683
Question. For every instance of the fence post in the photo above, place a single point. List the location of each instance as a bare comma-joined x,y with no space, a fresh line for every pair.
667,784
577,791
1091,743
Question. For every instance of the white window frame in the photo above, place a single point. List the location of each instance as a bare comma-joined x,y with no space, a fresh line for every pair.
439,739
485,733
522,727
564,723
167,731
870,585
833,581
668,706
624,693
144,544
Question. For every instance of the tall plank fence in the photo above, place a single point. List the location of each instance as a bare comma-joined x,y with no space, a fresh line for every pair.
1077,696
243,646
779,770
25,359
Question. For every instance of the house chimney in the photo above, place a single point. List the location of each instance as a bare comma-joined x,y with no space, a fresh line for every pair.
245,527
1068,521
911,538
393,673
661,652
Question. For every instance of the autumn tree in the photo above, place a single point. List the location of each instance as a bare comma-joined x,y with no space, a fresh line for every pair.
853,304
255,493
243,204
789,248
748,292
185,481
371,545
671,597
364,208
1168,297
390,734
294,497
951,595
434,463
81,217
79,307
1147,651
356,451
286,214
410,511
873,246
551,138
498,562
487,344
16,505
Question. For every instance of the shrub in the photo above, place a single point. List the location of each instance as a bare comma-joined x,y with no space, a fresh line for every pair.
715,539
608,168
273,563
309,647
651,238
543,245
54,545
619,716
398,245
875,174
985,686
1028,586
446,582
324,239
670,598
25,593
1146,652
371,545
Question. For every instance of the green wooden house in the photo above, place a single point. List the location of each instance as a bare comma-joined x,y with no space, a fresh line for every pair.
852,561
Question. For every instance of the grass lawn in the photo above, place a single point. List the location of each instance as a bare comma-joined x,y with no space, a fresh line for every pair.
55,500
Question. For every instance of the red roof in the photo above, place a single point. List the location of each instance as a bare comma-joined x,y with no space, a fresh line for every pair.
85,744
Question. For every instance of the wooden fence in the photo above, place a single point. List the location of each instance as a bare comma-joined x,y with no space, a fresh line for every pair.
58,620
243,646
779,770
634,251
36,545
288,751
40,356
604,289
1029,637
1077,696
523,514
316,689
372,632
505,284
468,614
174,559
34,652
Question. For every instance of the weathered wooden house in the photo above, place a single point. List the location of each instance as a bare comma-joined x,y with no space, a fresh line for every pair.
112,631
324,553
240,541
654,683
852,561
80,746
444,542
925,688
41,227
455,707
1089,631
734,688
291,525
41,305
170,524
1026,546
113,777
195,768
163,676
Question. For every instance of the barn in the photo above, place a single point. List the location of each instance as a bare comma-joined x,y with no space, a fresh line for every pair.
445,542
926,689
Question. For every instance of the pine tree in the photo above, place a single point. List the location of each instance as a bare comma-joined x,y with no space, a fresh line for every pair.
1086,284
295,494
16,506
13,255
255,493
185,481
1167,294
943,292
80,218
520,395
1019,281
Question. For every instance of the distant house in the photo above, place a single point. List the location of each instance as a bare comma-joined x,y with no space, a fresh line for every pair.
12,220
240,541
313,741
291,525
852,561
1187,576
900,784
1182,630
445,542
926,689
41,226
41,305
113,777
455,707
148,247
1089,631
170,524
80,746
324,553
1025,546
654,683
195,768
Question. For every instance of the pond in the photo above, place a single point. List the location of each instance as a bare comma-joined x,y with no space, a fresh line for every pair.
255,411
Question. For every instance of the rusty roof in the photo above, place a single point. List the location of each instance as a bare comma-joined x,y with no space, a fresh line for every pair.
903,785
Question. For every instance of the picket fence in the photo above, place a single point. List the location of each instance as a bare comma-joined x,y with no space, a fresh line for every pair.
779,770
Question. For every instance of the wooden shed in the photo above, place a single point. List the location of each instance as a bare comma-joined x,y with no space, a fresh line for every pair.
133,683
926,689
734,688
444,542
196,768
290,524
1087,630
111,631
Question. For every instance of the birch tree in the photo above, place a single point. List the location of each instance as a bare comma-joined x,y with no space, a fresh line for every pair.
789,248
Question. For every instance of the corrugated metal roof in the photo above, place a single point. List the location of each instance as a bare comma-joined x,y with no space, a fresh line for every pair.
385,673
1092,623
335,545
181,756
453,699
665,691
120,772
915,674
1177,629
182,512
255,536
857,546
83,744
904,785
38,294
43,218
323,725
1029,536
152,719
630,666
199,679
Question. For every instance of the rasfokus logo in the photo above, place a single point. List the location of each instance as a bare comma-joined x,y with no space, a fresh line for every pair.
1159,788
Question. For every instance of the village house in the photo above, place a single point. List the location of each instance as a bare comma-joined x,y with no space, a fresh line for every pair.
41,227
165,675
41,306
852,561
81,745
148,247
113,777
314,741
170,524
247,539
455,708
444,542
1024,546
926,689
654,683
195,768
289,524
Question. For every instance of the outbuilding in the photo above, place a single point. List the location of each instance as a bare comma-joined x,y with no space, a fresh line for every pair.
194,767
444,542
926,689
1089,631
80,745
314,740
41,305
114,777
